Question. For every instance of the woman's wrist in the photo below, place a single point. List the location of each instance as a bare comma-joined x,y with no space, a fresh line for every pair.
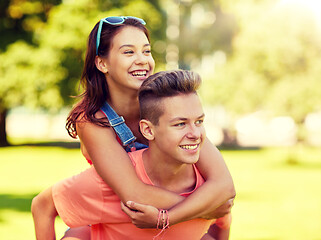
163,219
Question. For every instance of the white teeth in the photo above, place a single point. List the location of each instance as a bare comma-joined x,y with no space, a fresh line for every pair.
189,147
139,73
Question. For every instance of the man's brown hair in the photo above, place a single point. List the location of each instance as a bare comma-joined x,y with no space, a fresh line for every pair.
165,84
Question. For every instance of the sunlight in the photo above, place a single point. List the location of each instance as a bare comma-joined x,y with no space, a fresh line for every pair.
313,6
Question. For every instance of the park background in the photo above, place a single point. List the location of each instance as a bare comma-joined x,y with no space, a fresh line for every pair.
260,64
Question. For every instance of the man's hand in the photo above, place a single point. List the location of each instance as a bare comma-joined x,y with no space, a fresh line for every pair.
207,237
142,216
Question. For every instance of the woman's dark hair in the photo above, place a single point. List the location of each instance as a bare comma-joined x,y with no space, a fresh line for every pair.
94,81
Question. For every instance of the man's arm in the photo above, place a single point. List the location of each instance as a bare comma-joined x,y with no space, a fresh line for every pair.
207,236
217,233
44,214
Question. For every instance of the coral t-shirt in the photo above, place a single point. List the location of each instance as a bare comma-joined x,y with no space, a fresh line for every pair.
86,199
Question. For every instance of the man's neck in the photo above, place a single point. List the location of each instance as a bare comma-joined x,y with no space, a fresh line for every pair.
179,178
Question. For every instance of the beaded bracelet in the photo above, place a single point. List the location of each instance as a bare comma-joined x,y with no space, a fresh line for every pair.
162,221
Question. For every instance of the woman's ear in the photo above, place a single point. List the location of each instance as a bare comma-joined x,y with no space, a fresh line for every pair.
101,64
146,128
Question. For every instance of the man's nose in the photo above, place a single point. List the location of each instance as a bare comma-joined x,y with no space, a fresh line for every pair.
194,132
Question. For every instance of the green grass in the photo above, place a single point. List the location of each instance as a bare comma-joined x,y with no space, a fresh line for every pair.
24,172
278,192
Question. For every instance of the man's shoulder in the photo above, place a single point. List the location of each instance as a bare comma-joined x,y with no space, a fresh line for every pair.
136,157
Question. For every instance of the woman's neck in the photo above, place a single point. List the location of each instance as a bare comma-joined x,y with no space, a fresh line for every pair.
125,105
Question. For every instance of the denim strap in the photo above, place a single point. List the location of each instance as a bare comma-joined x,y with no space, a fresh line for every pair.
118,123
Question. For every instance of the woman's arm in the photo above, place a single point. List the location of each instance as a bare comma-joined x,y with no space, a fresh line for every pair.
114,166
214,199
217,189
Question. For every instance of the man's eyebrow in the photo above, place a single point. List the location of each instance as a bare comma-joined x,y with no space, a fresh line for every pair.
183,119
130,45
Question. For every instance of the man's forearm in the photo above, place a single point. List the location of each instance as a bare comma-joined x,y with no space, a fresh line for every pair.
218,233
44,214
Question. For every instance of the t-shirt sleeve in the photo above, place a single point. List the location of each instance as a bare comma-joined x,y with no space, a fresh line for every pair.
79,200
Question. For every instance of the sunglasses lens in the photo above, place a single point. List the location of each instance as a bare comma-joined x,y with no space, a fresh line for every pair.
138,19
114,20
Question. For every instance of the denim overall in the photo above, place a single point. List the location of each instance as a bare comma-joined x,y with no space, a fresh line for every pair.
124,133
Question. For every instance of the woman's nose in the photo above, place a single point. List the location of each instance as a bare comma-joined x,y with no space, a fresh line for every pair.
141,59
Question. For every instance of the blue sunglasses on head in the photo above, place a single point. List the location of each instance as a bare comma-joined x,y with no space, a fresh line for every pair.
113,21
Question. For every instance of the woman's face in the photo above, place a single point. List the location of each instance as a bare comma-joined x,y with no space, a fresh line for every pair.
130,60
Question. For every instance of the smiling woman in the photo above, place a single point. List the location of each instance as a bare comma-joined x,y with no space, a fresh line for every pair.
128,63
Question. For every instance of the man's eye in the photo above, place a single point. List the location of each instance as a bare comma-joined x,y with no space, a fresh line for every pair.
179,124
199,122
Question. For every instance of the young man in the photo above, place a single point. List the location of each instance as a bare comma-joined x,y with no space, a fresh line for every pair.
172,121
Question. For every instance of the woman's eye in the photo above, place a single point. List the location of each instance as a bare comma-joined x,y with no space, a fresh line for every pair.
147,51
129,52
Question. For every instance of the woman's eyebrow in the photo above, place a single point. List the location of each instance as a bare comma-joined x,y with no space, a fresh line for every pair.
130,45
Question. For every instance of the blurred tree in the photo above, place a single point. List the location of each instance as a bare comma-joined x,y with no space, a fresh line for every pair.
204,28
41,64
19,23
20,19
275,62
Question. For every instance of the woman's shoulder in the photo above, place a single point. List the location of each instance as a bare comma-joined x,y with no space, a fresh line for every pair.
87,128
82,120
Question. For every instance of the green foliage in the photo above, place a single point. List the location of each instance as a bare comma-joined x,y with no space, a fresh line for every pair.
20,20
204,28
274,65
29,76
47,74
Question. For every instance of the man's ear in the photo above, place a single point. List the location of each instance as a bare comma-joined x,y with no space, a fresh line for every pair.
146,128
101,64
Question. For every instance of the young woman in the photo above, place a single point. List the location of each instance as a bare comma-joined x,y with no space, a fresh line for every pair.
118,60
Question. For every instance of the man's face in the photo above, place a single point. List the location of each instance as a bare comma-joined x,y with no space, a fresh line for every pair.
180,131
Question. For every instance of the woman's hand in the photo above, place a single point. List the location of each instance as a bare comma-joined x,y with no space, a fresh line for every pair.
142,216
